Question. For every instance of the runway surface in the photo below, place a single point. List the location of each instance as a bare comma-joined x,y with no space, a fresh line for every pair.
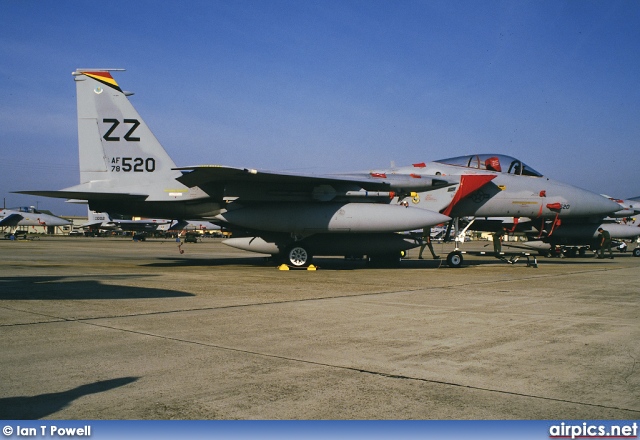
98,328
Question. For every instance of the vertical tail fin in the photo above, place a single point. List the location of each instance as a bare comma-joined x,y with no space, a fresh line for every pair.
118,151
97,218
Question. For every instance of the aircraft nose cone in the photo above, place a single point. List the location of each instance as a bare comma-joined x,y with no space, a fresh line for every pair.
611,206
595,204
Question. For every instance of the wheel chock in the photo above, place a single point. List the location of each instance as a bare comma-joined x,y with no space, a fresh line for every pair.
285,267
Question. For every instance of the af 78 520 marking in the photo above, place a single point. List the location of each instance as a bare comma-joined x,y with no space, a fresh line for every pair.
135,164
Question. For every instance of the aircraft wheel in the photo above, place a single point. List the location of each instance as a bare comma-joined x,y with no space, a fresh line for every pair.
636,252
454,259
298,256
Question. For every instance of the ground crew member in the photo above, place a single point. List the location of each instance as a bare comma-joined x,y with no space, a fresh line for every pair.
605,243
426,241
497,240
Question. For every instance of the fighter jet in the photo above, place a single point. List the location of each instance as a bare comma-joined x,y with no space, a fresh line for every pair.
104,221
28,216
124,169
629,207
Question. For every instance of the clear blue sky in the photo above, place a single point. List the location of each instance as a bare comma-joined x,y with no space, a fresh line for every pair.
321,86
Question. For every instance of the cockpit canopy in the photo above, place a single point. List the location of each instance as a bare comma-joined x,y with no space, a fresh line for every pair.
492,162
26,209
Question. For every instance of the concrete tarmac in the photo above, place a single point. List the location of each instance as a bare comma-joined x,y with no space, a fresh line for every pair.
99,328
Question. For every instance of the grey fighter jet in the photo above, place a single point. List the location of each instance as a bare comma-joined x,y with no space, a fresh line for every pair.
104,221
28,216
125,170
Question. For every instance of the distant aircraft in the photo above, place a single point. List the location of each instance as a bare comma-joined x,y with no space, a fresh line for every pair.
29,216
195,225
103,221
124,169
629,207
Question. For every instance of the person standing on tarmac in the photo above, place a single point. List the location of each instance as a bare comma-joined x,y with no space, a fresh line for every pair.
497,240
605,243
426,241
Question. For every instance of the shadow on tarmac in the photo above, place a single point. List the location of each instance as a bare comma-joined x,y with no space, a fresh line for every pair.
74,288
37,407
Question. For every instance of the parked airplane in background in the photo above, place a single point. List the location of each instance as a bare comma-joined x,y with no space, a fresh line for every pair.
630,207
124,169
29,216
103,221
195,225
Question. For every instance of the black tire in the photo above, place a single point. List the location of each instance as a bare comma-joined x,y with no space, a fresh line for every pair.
298,256
455,259
636,252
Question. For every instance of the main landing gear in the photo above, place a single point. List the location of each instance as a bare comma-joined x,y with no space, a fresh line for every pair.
297,256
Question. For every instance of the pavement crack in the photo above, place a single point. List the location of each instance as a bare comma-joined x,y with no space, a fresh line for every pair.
363,371
492,390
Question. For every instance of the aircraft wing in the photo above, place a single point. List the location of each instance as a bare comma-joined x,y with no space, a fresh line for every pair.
83,195
91,224
205,176
11,220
